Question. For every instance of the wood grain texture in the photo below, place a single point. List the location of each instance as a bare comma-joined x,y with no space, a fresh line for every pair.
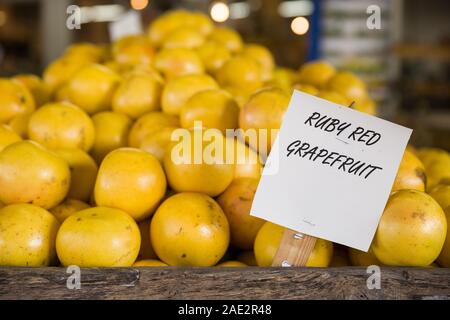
225,283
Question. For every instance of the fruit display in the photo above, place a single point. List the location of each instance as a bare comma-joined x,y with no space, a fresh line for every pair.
115,241
421,241
92,173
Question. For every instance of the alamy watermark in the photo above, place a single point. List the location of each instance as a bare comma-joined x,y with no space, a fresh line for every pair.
73,21
202,145
74,280
374,280
373,22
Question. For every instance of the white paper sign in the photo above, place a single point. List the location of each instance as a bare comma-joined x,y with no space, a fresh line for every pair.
128,24
330,172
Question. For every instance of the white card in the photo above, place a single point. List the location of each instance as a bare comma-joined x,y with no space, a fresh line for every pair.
330,198
128,24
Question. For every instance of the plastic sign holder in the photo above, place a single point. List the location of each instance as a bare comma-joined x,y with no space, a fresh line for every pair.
294,250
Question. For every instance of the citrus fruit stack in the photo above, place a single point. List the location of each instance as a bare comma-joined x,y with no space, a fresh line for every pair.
90,174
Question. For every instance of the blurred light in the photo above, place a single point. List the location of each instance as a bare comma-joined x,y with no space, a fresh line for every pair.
300,25
3,18
103,13
289,9
139,4
239,10
220,12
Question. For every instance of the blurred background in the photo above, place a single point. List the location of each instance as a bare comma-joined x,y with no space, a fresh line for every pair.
405,63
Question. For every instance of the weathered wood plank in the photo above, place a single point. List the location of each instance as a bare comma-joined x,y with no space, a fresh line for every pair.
225,283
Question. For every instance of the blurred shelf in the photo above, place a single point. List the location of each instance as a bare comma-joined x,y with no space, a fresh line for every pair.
440,90
18,1
422,51
432,119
